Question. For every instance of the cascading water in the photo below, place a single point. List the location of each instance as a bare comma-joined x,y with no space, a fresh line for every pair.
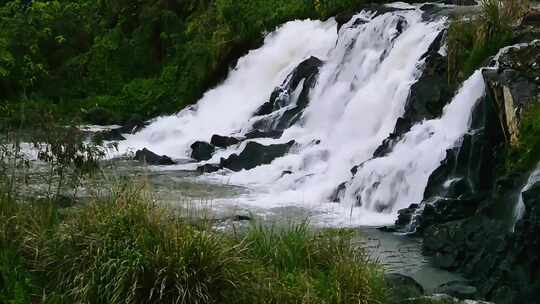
359,93
519,210
227,108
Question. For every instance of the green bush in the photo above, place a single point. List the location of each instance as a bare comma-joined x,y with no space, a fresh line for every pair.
149,56
472,42
122,248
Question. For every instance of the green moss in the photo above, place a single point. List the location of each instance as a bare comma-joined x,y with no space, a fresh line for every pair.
526,154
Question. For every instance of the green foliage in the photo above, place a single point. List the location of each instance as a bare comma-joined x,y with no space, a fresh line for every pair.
122,248
472,42
526,154
15,281
74,52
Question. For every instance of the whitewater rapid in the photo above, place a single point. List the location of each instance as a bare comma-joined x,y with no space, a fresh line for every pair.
361,91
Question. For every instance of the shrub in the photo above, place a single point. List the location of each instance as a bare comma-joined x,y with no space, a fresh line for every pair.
122,248
472,42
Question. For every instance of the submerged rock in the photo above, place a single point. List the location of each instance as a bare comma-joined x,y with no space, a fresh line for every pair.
255,154
201,151
335,197
152,158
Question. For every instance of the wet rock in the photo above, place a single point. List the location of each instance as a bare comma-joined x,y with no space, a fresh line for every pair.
453,245
255,154
283,110
405,217
151,158
427,97
402,286
336,196
224,141
515,86
201,151
110,135
275,134
208,168
458,289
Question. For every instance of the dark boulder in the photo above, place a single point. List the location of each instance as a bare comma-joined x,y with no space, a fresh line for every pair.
402,286
472,245
275,134
201,151
336,196
255,154
208,168
151,158
532,18
405,218
224,141
283,110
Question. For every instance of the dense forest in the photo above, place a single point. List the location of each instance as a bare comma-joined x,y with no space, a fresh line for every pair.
111,60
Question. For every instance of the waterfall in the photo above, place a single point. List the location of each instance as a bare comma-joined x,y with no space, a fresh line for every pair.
519,210
338,116
227,108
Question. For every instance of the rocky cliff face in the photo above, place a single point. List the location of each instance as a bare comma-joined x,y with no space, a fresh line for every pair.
467,216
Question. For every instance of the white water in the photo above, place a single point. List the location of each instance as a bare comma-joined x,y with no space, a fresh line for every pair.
360,93
227,108
519,210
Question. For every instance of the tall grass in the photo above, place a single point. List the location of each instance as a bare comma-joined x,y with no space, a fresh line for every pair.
123,248
472,42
